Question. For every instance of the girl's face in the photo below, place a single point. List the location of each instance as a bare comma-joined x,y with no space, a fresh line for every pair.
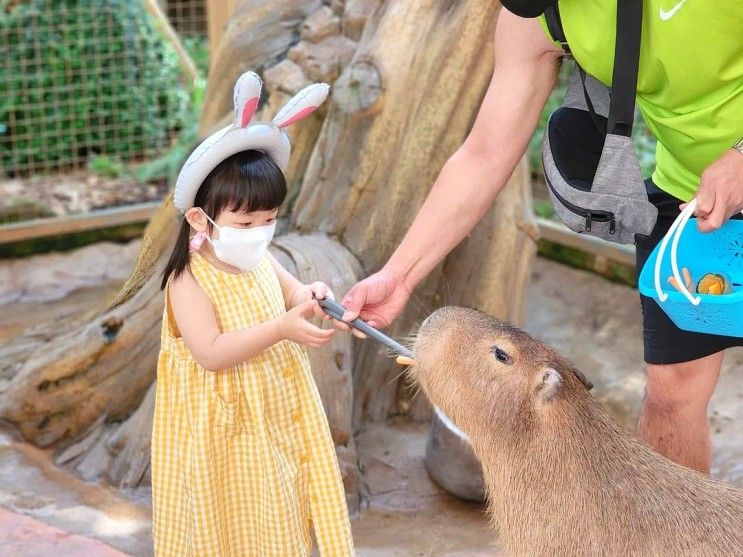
232,219
242,219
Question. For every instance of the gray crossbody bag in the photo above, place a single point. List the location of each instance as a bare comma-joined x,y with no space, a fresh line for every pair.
590,163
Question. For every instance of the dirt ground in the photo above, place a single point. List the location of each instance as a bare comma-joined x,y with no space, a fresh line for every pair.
79,192
595,323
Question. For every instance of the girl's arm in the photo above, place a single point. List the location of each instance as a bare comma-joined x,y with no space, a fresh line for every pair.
290,285
294,291
214,350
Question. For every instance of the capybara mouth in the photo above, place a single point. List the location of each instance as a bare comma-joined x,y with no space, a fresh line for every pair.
428,344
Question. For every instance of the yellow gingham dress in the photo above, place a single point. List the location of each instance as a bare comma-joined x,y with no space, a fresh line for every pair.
242,459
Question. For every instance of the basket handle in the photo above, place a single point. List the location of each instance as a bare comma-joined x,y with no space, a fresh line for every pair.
674,232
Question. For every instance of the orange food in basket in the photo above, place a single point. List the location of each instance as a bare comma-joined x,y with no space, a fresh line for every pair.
713,283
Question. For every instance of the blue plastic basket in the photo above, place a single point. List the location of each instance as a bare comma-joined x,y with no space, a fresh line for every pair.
720,251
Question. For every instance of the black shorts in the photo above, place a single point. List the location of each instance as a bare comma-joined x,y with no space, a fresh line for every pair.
664,342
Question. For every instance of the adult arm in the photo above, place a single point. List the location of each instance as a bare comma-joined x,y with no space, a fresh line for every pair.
526,65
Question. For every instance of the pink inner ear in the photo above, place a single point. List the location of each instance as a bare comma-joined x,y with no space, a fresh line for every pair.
248,111
298,116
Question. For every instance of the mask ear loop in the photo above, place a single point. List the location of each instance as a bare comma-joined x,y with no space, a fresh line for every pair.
197,240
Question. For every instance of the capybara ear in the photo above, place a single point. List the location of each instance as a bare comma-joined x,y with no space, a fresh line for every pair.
549,384
583,379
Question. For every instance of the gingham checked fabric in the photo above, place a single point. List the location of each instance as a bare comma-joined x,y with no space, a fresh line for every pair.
242,459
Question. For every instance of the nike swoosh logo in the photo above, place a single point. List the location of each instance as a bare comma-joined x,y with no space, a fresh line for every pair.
666,15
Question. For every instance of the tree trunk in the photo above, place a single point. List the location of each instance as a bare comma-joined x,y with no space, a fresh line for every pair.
257,35
406,97
400,109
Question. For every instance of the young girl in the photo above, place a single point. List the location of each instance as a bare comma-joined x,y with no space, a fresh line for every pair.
242,459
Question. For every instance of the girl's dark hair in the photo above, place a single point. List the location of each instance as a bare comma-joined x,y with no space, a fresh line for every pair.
246,181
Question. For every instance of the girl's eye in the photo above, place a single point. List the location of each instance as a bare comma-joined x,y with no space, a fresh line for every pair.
501,355
271,220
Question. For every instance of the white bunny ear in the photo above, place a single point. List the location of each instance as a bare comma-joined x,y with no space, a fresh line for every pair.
302,104
246,97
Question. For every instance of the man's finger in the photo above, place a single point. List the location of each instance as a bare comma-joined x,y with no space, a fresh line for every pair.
716,218
353,302
705,202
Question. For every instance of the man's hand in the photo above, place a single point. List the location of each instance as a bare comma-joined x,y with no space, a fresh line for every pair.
377,299
720,193
526,66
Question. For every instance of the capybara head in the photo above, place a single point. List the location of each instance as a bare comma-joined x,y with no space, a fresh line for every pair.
474,367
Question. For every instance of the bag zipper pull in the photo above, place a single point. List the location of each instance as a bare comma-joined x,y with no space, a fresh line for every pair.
588,222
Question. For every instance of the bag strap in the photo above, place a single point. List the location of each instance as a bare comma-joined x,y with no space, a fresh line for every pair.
554,26
626,61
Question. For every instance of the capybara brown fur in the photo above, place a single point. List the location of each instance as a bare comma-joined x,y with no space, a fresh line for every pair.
562,477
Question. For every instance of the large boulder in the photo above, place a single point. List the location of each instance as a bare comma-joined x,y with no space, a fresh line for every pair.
451,462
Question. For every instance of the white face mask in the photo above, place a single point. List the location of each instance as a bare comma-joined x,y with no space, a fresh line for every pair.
242,247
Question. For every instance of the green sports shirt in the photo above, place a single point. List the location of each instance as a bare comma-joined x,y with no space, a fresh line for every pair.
690,78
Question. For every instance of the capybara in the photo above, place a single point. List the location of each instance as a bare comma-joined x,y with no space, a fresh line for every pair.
562,477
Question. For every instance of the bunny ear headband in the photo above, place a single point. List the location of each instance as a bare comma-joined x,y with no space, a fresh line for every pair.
244,135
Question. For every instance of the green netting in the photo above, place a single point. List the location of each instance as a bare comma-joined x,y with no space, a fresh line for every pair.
80,78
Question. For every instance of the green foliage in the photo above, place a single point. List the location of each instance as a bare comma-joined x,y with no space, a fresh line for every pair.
572,257
84,77
19,208
198,49
166,166
66,242
544,209
108,167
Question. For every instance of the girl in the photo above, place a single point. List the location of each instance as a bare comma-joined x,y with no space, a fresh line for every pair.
242,459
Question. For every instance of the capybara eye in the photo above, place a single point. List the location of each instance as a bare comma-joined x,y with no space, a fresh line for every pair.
501,355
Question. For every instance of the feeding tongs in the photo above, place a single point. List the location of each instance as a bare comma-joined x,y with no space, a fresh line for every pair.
336,311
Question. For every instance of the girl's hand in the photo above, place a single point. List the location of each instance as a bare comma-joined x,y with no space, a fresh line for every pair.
314,291
293,325
320,291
